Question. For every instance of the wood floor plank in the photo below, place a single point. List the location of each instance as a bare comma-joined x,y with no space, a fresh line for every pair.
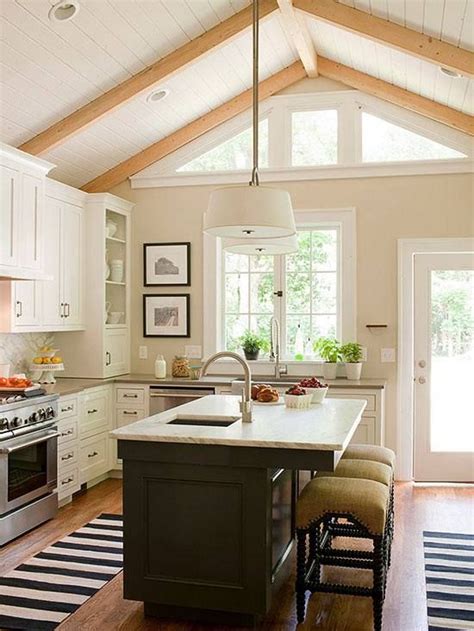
417,509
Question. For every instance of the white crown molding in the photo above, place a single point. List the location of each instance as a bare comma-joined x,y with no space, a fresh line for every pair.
12,153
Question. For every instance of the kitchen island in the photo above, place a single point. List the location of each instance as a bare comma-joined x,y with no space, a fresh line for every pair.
209,502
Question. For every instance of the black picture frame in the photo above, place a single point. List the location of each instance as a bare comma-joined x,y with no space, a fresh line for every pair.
148,248
157,297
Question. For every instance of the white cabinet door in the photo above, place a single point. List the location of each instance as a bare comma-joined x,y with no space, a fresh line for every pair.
52,291
31,222
9,196
116,356
27,304
72,225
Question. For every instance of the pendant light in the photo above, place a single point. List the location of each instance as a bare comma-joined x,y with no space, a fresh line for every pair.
252,211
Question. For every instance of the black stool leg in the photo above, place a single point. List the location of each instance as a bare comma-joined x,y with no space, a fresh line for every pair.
379,580
300,575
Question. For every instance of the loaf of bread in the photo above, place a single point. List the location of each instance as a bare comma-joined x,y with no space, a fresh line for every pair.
267,395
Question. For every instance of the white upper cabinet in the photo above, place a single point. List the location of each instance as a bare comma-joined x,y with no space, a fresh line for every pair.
64,259
22,179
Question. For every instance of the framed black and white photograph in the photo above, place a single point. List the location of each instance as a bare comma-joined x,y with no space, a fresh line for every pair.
166,264
166,316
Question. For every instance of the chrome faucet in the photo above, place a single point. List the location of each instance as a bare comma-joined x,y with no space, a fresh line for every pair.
246,401
275,337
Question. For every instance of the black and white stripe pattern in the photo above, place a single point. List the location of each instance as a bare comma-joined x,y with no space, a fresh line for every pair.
449,569
40,593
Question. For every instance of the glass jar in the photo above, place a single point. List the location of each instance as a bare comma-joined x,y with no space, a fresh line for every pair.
180,367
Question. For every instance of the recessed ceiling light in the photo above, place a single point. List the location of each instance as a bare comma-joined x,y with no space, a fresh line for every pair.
450,73
157,95
64,11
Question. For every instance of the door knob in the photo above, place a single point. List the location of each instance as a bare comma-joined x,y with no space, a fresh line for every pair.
422,363
421,380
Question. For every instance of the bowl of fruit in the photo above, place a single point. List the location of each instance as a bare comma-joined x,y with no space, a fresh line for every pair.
297,397
314,387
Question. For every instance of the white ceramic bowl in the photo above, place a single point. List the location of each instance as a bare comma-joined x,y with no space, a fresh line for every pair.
317,394
299,402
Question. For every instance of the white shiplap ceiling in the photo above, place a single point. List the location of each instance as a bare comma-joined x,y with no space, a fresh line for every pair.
48,70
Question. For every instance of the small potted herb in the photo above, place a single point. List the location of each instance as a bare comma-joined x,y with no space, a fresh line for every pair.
352,355
329,349
252,344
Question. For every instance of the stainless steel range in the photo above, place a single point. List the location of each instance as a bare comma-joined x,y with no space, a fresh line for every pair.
28,461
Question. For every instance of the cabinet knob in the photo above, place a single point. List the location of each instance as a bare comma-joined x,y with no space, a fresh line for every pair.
421,380
422,363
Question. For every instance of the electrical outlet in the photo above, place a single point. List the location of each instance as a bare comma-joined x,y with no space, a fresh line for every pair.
364,353
193,352
387,355
143,352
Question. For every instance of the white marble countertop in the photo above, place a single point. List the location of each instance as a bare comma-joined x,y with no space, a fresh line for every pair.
328,426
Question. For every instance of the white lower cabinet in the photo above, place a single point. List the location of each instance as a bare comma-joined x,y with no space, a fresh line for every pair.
68,446
94,427
131,405
371,430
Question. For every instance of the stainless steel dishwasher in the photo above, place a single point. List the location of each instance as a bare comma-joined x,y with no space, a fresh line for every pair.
165,398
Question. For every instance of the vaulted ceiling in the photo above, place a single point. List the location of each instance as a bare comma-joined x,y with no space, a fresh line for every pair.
49,70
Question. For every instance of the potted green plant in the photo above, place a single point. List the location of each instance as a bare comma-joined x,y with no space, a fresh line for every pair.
329,349
352,356
252,344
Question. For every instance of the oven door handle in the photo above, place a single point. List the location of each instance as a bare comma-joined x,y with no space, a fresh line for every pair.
36,441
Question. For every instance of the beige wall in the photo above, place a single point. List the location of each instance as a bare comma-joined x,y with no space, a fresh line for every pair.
387,209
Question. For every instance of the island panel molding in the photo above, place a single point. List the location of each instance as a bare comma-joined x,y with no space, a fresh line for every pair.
167,264
166,315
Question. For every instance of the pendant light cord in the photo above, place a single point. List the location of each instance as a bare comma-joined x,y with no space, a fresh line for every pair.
255,42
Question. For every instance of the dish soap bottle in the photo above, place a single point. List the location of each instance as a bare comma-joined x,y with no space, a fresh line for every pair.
299,344
308,349
160,367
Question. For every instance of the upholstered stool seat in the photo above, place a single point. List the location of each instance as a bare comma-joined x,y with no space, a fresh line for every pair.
370,452
364,469
364,504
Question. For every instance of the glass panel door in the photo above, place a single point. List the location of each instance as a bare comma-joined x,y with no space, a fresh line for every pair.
444,367
27,470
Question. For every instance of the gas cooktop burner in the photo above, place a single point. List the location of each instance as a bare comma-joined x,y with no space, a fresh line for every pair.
23,414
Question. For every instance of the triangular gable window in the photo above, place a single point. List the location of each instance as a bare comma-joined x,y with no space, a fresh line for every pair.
385,142
234,154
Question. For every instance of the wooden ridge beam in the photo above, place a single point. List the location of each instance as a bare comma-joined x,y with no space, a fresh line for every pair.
388,92
145,79
296,28
193,130
390,34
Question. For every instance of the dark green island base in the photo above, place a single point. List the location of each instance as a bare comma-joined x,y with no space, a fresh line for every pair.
208,528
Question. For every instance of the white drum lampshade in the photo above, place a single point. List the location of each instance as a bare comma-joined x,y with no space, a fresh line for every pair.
254,212
283,245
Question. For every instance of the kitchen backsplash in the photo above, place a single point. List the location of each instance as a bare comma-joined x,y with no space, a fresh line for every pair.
18,349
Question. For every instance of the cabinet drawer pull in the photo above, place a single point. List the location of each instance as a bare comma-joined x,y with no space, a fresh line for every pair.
130,396
67,310
134,413
108,358
94,453
61,310
19,308
93,411
67,457
68,432
69,408
67,480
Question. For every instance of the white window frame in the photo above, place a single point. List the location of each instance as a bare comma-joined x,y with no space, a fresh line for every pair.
213,308
278,110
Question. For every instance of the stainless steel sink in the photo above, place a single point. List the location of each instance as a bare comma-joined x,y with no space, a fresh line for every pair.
214,421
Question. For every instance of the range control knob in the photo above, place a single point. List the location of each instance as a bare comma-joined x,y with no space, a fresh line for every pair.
41,414
33,417
17,421
49,413
3,424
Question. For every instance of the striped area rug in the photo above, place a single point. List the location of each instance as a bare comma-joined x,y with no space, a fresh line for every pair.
449,569
40,593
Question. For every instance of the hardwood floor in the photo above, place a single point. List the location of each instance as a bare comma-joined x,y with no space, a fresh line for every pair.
417,509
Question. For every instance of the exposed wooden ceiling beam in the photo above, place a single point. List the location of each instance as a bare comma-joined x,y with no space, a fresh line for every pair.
150,76
193,130
298,32
391,34
398,96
